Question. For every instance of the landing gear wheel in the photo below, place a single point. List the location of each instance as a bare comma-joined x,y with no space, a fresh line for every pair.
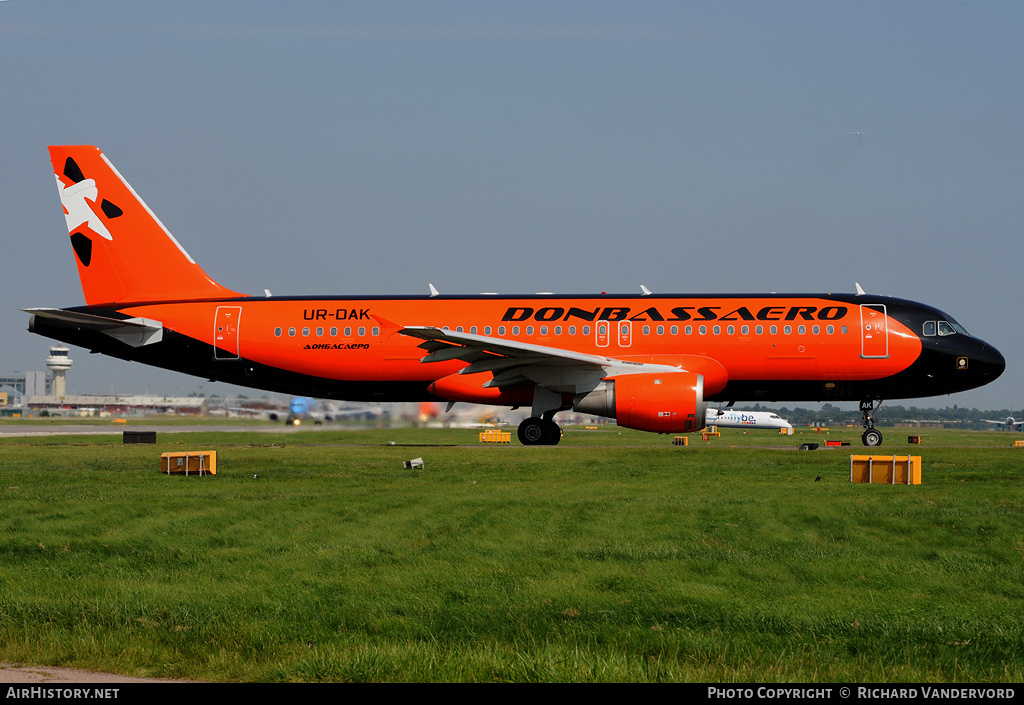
539,432
872,437
552,433
532,432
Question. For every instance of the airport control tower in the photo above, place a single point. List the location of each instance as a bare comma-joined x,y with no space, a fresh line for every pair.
59,363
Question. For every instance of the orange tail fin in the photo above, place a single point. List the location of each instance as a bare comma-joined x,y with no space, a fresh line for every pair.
124,253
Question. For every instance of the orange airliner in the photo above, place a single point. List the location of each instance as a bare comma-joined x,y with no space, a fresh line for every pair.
650,361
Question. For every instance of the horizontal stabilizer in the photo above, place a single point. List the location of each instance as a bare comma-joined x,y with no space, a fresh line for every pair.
130,331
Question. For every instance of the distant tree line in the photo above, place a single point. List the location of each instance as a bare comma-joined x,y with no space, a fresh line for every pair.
892,415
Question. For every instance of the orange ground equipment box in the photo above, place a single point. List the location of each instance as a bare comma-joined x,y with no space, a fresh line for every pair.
194,462
886,469
495,436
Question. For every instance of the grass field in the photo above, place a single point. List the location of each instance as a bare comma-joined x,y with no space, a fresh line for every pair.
612,557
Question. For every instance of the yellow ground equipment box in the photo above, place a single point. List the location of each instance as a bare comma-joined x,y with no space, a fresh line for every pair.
1018,444
886,469
194,462
495,436
681,441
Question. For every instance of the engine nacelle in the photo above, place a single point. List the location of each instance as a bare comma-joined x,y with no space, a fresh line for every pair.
660,402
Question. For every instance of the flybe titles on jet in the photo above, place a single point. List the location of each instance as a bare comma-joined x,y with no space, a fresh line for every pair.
679,313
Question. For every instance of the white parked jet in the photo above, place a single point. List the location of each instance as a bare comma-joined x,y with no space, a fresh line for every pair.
730,418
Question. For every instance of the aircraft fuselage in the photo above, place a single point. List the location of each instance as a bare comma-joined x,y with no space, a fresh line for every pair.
816,347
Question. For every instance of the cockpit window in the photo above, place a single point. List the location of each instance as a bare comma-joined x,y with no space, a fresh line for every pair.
943,328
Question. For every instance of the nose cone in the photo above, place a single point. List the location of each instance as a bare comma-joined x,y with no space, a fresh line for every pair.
955,364
985,364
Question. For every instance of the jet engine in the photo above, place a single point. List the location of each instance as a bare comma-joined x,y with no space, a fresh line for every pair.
660,402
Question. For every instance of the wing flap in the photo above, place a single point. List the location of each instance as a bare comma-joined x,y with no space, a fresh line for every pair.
470,344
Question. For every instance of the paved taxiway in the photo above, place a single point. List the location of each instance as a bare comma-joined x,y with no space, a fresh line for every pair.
22,430
11,673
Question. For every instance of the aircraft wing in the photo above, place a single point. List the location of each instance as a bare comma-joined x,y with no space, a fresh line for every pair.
513,361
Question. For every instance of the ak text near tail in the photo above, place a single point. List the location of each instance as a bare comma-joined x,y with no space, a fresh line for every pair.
650,361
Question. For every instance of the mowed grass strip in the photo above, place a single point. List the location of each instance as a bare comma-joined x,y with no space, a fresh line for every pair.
621,563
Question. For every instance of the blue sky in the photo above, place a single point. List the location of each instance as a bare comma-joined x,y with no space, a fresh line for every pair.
573,147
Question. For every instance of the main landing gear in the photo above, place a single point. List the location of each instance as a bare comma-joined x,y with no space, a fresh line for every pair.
540,429
539,432
872,436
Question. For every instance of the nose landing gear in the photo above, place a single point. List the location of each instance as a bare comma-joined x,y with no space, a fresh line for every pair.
872,436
